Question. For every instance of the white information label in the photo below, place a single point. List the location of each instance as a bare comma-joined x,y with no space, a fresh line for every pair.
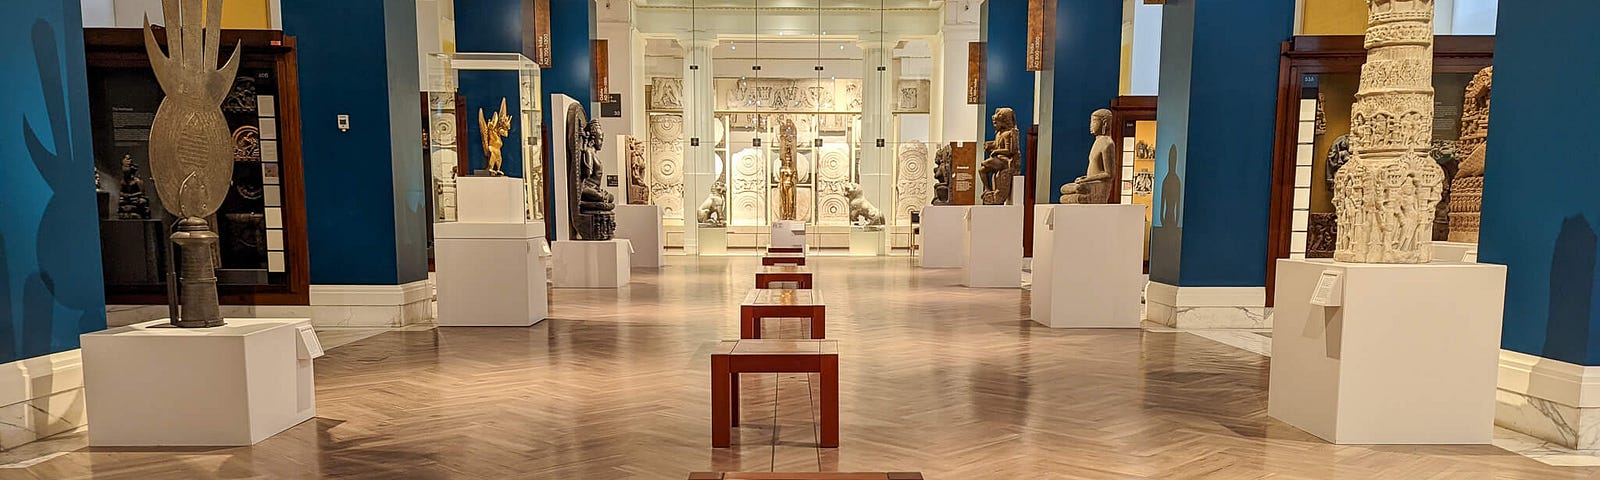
1330,289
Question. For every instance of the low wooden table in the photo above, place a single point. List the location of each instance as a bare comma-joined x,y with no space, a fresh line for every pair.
805,476
782,303
733,357
772,250
783,273
784,258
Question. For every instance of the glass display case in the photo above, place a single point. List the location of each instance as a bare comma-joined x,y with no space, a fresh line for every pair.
466,92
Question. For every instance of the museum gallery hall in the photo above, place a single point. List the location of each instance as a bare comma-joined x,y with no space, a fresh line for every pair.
799,239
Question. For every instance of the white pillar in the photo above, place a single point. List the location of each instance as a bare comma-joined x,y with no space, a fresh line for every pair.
876,161
699,124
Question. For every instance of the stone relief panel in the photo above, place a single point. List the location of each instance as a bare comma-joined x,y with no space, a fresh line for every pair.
1466,191
666,93
749,187
833,178
913,96
913,187
788,94
666,162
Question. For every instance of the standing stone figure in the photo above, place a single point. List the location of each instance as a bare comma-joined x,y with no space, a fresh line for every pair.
997,170
1385,196
191,150
1466,191
591,212
1095,186
787,173
943,173
638,173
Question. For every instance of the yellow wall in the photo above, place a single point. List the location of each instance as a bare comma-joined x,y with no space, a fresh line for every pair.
246,14
1333,17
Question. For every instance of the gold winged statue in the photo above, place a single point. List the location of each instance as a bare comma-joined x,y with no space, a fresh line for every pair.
191,149
494,131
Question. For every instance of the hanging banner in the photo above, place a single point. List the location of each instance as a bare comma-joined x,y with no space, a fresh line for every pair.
975,73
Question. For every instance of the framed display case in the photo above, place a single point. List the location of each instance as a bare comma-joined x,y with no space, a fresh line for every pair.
465,89
1133,130
262,222
1318,79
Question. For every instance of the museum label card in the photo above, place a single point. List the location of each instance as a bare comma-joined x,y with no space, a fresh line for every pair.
1330,289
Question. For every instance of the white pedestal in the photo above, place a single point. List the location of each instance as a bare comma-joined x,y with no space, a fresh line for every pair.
866,242
1088,265
490,200
788,234
1018,186
490,274
992,247
149,385
592,264
1455,252
943,231
642,226
1410,357
712,240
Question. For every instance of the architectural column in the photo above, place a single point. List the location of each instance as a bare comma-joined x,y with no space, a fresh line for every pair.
699,127
51,284
877,159
1084,75
365,214
1218,110
1541,218
1007,81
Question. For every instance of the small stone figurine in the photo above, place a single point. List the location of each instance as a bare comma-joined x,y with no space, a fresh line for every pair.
1095,186
997,170
132,204
714,211
638,172
862,212
592,217
943,174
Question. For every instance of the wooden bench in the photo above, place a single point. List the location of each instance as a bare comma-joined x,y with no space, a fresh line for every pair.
733,357
805,476
793,274
772,250
782,303
784,258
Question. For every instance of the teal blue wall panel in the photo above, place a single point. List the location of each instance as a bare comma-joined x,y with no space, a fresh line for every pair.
1088,61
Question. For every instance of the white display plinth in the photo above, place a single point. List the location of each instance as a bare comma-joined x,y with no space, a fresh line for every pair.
864,241
1018,184
992,247
490,200
490,274
592,263
943,231
152,385
1088,265
642,226
1455,252
712,240
789,234
1409,355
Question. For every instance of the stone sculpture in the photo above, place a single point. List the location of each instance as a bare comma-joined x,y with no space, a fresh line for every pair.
862,212
638,173
1466,191
591,213
997,170
1338,155
494,131
943,174
1095,186
1385,196
714,210
191,150
131,203
787,173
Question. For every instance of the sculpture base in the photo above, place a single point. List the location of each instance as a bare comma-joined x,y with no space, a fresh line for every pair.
1400,354
942,235
788,234
592,263
992,247
490,200
642,226
158,386
490,274
1088,263
712,240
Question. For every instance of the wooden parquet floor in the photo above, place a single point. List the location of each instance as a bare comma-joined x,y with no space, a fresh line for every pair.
948,381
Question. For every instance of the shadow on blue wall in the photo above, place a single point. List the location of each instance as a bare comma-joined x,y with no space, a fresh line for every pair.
1572,279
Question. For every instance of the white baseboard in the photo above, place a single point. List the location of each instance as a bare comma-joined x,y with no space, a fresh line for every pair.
1206,307
40,397
1549,399
360,306
370,295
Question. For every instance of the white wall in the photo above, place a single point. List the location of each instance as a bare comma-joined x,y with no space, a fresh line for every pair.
623,59
960,121
1146,39
1475,17
131,13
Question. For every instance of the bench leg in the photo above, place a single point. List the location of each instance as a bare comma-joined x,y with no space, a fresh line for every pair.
733,383
721,402
819,323
749,323
830,402
805,282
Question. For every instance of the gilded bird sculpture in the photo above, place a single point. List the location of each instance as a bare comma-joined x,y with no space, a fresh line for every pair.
494,130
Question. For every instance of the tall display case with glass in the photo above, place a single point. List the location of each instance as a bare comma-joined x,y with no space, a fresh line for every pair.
467,94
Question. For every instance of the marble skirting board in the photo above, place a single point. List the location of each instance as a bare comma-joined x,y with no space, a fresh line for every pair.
1206,307
1554,401
335,306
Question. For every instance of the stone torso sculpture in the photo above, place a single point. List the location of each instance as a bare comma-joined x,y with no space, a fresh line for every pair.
997,170
638,173
1385,196
714,210
1095,186
787,173
592,212
494,131
943,173
131,202
1466,191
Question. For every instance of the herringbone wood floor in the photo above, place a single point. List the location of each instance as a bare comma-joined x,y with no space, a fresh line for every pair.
936,378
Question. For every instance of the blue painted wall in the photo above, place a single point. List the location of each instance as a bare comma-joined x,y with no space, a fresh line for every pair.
1007,81
358,218
1217,113
1088,60
491,26
51,285
1543,226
